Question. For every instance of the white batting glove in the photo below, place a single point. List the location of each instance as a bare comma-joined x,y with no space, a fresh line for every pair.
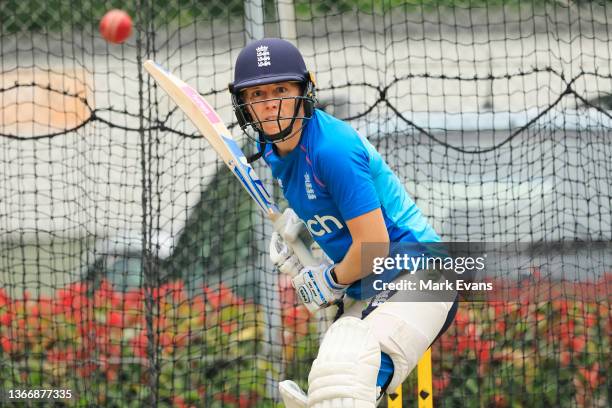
316,288
289,226
283,257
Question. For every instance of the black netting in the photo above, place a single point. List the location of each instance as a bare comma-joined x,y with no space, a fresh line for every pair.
133,267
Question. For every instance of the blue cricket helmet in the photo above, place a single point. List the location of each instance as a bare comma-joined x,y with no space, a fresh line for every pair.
268,61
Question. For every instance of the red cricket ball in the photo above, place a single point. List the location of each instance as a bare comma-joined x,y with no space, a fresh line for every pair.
116,26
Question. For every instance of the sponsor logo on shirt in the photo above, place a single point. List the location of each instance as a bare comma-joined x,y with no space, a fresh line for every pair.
323,224
310,193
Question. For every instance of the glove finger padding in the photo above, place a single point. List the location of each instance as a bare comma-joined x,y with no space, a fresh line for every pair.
316,288
283,257
279,250
291,266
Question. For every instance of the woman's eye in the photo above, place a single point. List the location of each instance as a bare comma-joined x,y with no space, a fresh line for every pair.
281,89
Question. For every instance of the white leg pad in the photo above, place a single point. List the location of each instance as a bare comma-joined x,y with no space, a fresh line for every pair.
292,395
345,370
405,330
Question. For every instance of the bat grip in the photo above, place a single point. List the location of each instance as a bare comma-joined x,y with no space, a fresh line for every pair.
303,253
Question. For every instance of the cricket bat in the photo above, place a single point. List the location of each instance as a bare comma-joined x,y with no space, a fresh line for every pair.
210,125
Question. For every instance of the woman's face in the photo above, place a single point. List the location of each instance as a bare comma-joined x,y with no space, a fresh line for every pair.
273,105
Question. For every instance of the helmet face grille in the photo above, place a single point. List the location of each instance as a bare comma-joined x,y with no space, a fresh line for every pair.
246,120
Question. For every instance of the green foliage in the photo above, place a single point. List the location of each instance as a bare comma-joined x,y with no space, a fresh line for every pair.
204,347
310,8
207,349
524,354
66,15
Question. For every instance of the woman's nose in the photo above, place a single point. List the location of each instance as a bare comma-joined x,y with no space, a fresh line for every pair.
271,104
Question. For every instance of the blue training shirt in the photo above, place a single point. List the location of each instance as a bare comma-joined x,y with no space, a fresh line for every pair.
335,175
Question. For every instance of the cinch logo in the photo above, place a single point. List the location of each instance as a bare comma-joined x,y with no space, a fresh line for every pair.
263,56
321,225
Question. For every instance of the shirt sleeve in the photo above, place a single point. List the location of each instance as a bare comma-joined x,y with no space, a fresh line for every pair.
345,171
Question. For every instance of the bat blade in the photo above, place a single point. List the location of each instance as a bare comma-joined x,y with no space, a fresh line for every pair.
210,125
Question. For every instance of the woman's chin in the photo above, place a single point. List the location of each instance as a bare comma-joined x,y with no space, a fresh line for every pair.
271,130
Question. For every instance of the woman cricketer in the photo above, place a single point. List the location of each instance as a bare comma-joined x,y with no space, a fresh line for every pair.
339,186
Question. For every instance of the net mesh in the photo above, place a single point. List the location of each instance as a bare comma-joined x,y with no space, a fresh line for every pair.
133,268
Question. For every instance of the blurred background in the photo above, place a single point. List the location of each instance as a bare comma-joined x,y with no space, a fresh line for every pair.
134,269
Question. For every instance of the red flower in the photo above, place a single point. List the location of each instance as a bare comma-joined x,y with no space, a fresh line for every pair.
447,341
591,376
68,355
77,288
45,306
441,382
159,293
160,323
107,296
500,326
4,298
177,291
286,291
111,374
566,330
461,320
462,344
577,343
165,340
86,369
499,308
227,398
198,307
213,298
590,320
6,344
296,319
227,297
178,402
483,350
561,305
565,358
115,319
499,400
6,319
139,344
134,300
229,328
222,297
248,400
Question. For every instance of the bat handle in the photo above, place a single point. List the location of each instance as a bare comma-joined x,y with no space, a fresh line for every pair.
303,253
